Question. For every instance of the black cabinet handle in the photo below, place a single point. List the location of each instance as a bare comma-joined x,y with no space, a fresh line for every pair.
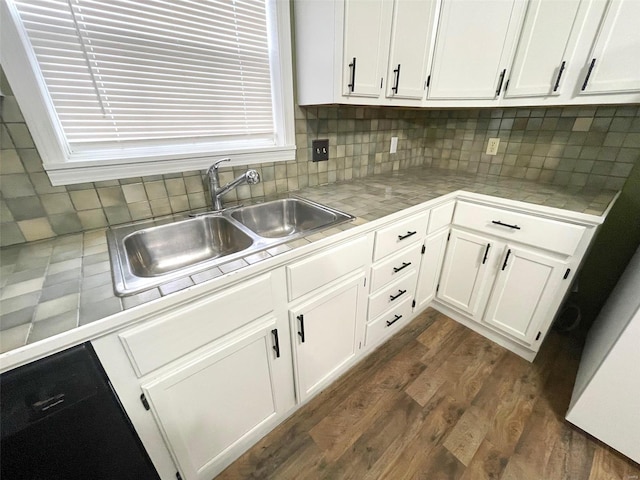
586,79
402,237
396,71
276,342
557,84
352,67
301,331
502,74
498,222
391,322
506,259
486,253
398,295
404,265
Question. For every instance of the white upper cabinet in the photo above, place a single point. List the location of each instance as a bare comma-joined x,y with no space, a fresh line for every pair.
545,47
410,51
614,63
474,45
366,45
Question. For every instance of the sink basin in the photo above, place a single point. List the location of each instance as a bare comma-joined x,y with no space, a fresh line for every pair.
148,254
159,250
287,217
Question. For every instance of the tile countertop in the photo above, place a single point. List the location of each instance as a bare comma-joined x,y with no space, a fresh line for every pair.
53,286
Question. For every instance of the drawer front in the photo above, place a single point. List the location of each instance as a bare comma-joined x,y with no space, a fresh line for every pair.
540,232
394,237
177,333
388,323
394,267
440,217
322,268
393,294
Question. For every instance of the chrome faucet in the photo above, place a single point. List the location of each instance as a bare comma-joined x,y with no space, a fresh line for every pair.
250,176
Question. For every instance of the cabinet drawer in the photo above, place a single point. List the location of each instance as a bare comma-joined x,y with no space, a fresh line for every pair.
185,329
392,294
544,233
388,322
331,264
395,266
394,237
440,217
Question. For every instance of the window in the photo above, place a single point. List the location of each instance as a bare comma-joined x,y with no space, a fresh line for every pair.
116,88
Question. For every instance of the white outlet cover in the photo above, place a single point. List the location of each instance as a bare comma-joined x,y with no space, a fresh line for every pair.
492,146
394,145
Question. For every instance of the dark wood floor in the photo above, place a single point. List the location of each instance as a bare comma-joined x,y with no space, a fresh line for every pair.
439,401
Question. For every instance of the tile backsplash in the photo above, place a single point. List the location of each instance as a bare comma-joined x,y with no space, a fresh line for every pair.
579,146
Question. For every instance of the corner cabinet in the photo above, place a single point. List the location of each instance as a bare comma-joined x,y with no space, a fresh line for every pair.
506,272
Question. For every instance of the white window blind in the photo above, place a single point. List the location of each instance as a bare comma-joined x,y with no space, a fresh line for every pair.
151,72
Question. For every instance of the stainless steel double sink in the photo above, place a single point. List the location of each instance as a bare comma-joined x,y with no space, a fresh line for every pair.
148,254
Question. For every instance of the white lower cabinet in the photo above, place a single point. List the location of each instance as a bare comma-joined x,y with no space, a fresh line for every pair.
204,375
212,402
430,266
466,272
525,286
327,330
508,269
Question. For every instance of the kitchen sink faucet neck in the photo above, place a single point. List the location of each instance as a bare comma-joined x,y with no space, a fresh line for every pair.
250,176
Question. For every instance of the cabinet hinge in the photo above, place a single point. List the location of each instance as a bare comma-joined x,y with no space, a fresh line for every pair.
428,80
566,274
538,336
178,476
144,401
424,249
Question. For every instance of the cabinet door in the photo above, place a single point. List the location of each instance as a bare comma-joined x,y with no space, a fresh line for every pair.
614,63
545,47
367,27
474,44
430,266
466,273
409,56
213,402
526,284
327,331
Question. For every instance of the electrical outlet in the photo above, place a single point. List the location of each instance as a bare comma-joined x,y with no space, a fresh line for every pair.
492,146
320,150
394,145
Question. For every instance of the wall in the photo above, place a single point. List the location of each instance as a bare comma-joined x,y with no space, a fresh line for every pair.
615,245
580,147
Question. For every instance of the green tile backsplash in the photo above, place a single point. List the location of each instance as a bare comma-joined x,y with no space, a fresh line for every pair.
577,146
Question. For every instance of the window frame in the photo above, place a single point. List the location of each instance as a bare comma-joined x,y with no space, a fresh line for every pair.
66,167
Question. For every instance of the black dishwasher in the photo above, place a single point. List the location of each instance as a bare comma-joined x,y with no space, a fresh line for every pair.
61,419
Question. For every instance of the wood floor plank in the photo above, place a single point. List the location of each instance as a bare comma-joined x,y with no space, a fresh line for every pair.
439,402
336,432
488,463
467,435
444,413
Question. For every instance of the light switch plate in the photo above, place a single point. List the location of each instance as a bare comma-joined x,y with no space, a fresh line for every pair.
320,150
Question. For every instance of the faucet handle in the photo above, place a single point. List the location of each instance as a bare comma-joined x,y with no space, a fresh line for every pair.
215,164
